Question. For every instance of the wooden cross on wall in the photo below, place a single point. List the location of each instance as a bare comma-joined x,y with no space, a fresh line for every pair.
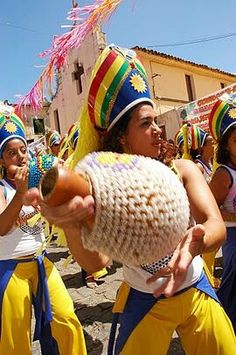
76,75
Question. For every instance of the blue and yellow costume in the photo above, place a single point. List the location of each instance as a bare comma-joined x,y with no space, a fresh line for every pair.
118,84
221,119
28,279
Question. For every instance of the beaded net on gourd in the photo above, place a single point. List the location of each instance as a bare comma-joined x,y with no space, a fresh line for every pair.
38,167
142,210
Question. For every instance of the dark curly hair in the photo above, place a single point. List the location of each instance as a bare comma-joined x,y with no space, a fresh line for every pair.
222,153
111,140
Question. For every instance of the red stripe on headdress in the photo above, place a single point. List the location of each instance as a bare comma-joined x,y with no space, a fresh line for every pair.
99,76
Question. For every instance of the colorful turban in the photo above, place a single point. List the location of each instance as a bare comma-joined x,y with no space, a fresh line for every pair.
119,82
54,139
222,116
179,138
10,127
198,136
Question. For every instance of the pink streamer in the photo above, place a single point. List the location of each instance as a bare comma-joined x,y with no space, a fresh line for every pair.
87,18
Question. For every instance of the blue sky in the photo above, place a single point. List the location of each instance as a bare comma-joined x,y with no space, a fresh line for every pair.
27,28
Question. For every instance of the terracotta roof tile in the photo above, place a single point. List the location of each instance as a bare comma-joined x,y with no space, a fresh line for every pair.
171,57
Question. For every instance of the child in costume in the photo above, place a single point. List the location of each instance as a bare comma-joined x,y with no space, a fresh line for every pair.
27,277
200,150
222,125
173,293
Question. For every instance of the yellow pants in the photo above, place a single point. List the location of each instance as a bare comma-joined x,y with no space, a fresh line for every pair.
209,260
199,320
17,312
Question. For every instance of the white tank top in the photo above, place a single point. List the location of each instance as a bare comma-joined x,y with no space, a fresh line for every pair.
21,240
136,277
207,170
229,204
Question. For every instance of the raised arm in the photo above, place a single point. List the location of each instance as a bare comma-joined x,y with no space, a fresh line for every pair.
10,213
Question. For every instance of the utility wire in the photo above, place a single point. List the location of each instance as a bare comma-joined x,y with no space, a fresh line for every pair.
194,41
8,24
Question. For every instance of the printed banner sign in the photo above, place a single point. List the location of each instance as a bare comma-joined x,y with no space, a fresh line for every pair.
197,112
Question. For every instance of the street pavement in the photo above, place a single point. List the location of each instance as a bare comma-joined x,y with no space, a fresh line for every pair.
93,306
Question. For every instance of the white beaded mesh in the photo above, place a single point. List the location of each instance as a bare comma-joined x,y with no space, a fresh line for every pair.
142,209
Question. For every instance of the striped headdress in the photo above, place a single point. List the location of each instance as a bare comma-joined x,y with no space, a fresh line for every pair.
119,82
11,127
198,137
222,117
179,138
73,135
54,139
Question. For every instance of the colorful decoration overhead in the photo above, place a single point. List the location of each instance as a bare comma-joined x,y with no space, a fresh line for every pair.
85,20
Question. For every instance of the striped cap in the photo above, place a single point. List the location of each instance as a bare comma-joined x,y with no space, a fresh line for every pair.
222,117
54,139
119,82
10,127
179,138
198,137
73,135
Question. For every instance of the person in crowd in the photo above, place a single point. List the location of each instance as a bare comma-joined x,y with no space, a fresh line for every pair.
223,185
202,150
63,148
183,142
27,276
172,293
53,139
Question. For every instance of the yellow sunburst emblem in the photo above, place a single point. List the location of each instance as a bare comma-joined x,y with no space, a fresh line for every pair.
232,113
11,127
138,83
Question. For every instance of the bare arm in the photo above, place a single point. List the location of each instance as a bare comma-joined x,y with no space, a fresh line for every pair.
220,185
204,237
203,206
90,261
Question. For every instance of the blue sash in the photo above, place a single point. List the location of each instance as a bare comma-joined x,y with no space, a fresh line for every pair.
41,302
227,290
142,302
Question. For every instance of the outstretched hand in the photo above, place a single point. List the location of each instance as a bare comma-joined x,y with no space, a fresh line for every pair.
175,273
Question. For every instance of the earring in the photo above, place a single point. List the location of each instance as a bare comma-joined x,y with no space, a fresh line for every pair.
122,141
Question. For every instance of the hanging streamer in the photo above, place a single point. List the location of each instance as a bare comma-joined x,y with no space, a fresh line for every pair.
86,19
